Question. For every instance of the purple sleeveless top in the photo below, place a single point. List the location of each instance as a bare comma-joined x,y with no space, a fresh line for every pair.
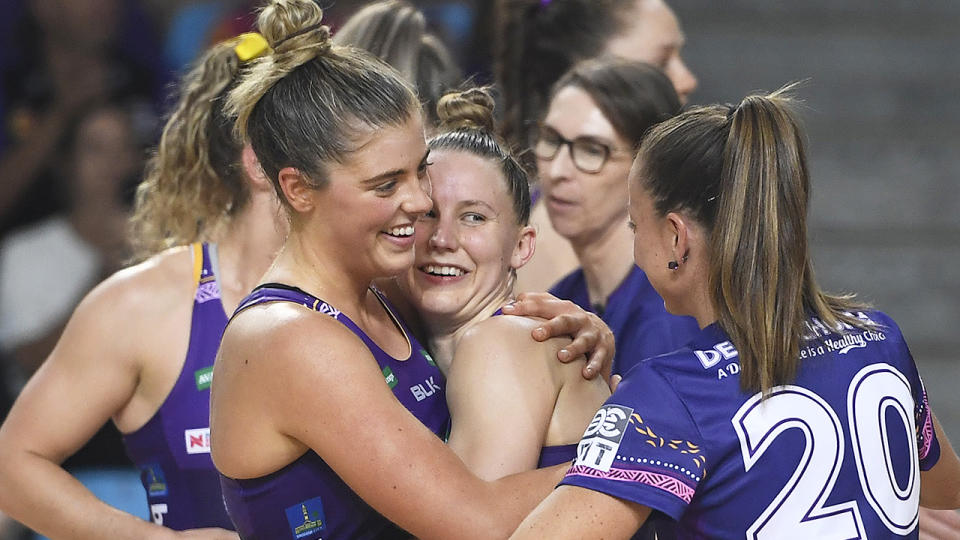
172,450
306,499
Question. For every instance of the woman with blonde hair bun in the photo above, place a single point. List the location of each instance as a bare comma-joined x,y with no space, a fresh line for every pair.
140,347
327,415
513,407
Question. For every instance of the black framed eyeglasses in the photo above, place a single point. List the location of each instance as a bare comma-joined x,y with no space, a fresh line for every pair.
588,154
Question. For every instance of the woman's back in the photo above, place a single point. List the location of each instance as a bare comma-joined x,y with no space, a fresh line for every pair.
832,455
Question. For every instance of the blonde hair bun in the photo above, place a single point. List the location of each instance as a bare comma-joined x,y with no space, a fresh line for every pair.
470,109
293,26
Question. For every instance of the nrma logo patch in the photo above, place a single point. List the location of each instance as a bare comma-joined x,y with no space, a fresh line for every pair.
197,440
306,518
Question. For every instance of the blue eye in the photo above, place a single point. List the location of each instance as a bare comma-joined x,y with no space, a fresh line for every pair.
474,218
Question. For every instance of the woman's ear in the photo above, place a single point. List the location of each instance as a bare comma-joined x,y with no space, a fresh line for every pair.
296,188
677,227
253,170
526,245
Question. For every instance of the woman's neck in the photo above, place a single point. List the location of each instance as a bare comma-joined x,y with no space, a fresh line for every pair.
606,261
247,247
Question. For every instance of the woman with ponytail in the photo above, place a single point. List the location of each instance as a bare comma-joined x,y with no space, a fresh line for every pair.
513,406
140,347
795,413
327,415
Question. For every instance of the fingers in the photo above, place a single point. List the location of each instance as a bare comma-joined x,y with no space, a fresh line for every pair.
615,382
569,324
543,305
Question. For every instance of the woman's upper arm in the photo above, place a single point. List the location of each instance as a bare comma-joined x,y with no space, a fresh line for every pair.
940,486
501,396
90,375
338,404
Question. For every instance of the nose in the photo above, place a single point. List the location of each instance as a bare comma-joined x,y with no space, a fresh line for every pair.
684,81
443,237
558,168
419,201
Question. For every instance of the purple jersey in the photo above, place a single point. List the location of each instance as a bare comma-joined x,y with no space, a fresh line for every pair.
837,454
635,313
306,499
172,450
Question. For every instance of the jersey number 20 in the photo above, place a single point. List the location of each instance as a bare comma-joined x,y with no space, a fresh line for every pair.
798,511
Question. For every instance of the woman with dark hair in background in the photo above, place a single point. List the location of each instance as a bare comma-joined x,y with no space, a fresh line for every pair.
538,41
139,348
795,413
396,32
599,111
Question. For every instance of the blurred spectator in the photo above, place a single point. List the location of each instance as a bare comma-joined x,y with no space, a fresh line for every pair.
58,58
47,267
396,32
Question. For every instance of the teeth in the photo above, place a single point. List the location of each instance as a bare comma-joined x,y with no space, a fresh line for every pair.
401,231
438,270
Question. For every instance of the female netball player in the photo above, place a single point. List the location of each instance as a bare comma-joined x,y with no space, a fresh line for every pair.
514,407
326,414
140,347
795,413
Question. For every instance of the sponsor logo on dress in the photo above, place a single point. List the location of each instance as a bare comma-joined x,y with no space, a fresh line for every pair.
306,518
428,357
601,441
207,290
326,308
425,389
152,476
389,377
203,377
721,351
198,440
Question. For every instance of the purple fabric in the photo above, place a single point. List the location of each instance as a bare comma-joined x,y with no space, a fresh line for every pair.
172,450
306,499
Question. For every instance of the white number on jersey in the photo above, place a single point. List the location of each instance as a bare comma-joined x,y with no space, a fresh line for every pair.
798,511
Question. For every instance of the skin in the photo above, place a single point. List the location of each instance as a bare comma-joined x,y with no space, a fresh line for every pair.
274,382
589,209
119,356
656,39
493,369
574,512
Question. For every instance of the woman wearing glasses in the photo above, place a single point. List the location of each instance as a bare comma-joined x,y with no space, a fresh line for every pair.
599,111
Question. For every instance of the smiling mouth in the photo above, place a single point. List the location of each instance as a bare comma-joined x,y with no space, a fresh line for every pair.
442,270
404,231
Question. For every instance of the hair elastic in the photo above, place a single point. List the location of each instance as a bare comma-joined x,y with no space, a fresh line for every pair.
299,32
251,45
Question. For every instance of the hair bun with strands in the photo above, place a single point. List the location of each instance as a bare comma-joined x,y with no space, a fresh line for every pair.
294,27
471,109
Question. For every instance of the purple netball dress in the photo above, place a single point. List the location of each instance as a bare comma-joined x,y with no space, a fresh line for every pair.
306,499
836,454
172,450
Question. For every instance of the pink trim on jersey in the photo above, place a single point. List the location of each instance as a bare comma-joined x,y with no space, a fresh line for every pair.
660,481
927,429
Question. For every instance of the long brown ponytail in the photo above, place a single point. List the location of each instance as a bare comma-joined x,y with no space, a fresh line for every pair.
742,172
